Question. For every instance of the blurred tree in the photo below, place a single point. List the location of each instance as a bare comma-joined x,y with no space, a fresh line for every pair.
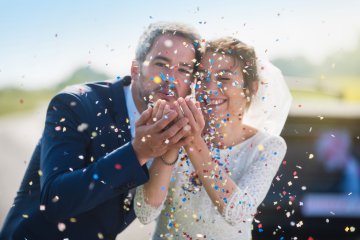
82,75
296,66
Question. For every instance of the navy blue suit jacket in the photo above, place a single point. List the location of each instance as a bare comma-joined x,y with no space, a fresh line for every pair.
78,180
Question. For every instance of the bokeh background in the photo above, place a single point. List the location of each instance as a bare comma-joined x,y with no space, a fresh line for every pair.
316,44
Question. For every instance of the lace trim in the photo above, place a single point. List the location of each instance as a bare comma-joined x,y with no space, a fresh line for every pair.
145,212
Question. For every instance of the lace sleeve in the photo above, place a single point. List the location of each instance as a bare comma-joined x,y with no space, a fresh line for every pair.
255,183
145,212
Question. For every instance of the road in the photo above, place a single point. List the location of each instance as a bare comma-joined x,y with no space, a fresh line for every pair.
19,134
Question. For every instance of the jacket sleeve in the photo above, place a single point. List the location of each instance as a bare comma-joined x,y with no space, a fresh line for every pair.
68,186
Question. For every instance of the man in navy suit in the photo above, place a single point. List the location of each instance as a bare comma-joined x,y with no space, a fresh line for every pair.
97,140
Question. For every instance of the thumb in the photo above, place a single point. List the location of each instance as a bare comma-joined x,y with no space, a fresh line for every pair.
144,117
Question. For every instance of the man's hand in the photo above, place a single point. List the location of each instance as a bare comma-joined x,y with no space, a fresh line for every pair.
154,139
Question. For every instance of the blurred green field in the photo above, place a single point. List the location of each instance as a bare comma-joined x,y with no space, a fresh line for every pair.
14,100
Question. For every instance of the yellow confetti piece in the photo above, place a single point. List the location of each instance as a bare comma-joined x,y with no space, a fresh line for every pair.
40,173
73,220
261,147
25,216
100,235
311,156
157,80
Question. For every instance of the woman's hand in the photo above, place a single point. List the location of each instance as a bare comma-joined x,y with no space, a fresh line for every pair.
192,111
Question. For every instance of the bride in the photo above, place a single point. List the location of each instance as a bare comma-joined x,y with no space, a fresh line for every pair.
212,188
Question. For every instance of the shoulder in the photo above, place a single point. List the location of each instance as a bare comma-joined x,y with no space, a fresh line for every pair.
82,96
272,144
274,140
88,90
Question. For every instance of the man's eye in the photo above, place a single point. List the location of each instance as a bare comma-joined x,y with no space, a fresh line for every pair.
223,79
160,64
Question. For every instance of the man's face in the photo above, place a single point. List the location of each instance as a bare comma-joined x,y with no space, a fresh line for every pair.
167,71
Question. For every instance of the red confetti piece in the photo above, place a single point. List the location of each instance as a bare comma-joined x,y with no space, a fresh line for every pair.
118,166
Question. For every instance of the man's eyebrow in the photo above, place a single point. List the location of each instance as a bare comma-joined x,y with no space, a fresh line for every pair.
161,58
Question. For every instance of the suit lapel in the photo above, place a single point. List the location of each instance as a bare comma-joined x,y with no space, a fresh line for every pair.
120,110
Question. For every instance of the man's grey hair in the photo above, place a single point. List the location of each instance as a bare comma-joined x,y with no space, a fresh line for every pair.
155,30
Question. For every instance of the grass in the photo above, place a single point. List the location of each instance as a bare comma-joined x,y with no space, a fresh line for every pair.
14,100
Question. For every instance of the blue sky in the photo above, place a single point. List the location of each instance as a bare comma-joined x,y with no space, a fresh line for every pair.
42,43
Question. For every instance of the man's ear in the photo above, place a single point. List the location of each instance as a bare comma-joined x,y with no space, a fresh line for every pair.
135,70
255,87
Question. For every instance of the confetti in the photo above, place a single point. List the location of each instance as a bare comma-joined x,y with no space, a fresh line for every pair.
157,80
82,127
311,156
61,227
260,147
55,199
118,166
168,43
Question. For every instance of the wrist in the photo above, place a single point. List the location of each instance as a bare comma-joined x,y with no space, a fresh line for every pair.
198,141
142,160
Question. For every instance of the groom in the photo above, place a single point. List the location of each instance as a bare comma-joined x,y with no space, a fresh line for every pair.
97,140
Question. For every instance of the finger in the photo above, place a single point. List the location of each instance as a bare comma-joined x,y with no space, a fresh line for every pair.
184,132
195,112
174,129
183,142
144,117
156,108
187,112
160,112
166,109
178,110
164,121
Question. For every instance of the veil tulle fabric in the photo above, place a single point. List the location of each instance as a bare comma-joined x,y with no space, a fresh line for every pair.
270,106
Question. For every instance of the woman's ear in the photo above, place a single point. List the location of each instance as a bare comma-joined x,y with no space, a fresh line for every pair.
135,70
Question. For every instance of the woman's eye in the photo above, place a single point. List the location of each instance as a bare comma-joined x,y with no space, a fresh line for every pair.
182,70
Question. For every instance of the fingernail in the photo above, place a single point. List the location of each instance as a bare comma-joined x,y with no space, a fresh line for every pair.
180,99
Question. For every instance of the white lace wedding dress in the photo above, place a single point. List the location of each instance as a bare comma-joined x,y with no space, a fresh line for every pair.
188,212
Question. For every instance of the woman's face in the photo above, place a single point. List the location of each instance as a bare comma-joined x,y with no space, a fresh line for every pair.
220,87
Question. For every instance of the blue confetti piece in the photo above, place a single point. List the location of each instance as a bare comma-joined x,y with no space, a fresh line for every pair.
95,176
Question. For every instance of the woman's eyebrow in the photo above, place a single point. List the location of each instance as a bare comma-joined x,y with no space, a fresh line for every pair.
186,65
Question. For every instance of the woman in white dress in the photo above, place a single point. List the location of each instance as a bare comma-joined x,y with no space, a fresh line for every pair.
212,189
